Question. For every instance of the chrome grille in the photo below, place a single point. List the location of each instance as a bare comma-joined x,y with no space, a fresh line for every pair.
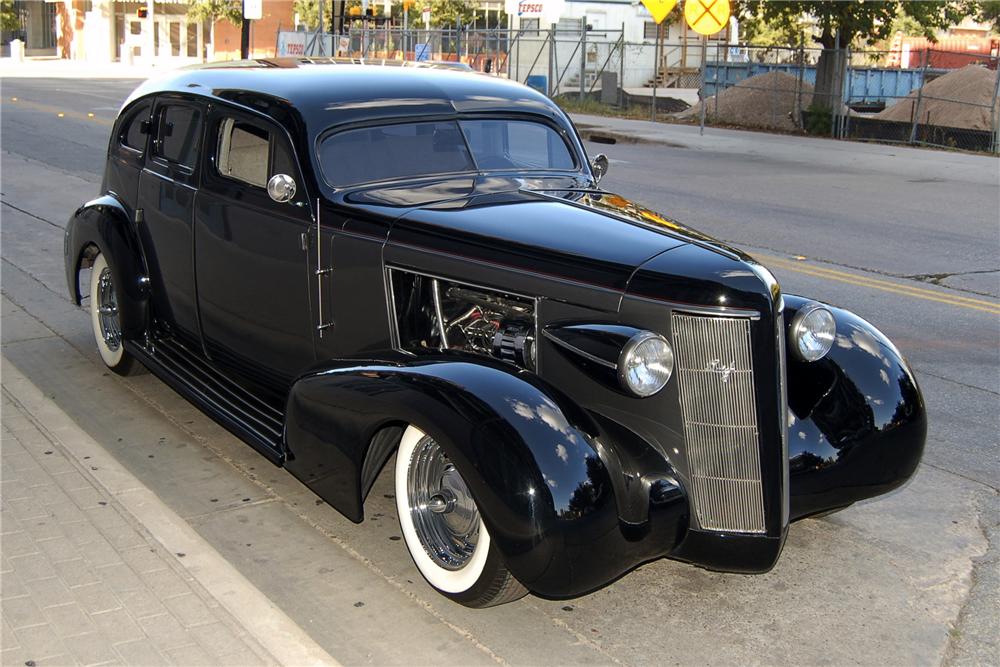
719,406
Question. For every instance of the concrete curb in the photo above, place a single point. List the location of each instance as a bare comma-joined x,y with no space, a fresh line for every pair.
268,624
599,134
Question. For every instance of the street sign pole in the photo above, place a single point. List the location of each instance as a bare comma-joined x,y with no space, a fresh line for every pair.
245,39
704,79
252,11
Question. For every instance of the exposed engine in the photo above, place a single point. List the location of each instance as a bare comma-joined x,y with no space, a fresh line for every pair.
433,314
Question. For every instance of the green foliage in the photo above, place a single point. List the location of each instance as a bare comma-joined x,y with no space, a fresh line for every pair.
308,11
447,13
784,30
907,25
856,20
9,20
818,120
216,10
985,11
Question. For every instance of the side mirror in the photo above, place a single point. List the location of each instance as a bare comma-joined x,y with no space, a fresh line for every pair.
281,188
599,167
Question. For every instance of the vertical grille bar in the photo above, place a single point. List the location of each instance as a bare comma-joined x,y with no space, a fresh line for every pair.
719,406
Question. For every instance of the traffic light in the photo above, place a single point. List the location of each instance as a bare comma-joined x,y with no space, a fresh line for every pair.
142,12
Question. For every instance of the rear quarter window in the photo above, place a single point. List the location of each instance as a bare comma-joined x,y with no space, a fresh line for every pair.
132,134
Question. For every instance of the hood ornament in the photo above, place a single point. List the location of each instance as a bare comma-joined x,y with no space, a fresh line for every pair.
721,368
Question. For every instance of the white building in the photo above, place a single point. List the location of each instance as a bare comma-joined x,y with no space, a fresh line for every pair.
606,20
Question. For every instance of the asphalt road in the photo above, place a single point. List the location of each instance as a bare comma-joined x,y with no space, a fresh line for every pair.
909,239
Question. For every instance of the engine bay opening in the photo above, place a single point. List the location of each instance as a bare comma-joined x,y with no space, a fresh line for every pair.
434,314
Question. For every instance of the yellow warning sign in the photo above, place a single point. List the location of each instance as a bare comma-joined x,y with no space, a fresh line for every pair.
706,17
659,8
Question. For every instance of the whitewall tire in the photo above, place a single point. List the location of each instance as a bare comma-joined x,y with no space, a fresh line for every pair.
442,527
105,317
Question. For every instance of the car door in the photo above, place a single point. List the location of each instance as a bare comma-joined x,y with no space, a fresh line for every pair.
250,253
167,192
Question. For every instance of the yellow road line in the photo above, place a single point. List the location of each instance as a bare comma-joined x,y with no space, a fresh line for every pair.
879,284
59,112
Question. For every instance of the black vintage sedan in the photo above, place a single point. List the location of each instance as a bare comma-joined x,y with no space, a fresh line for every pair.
341,263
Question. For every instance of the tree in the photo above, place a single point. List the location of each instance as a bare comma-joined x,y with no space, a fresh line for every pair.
842,23
9,20
985,11
907,25
448,13
216,10
308,11
786,31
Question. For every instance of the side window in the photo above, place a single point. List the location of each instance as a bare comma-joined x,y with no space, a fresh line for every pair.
516,144
133,134
249,153
243,152
178,134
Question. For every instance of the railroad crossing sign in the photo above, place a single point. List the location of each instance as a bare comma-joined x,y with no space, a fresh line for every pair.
659,8
706,17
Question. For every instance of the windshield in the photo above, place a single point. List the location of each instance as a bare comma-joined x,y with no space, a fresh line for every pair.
385,152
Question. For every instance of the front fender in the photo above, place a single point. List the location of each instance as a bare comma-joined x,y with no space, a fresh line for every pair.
529,455
104,223
857,422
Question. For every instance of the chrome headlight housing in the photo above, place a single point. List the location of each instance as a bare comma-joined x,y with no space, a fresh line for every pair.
812,332
645,364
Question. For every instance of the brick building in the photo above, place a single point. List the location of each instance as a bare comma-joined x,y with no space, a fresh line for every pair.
115,30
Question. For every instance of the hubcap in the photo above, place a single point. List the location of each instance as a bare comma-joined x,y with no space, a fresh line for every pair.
107,306
445,516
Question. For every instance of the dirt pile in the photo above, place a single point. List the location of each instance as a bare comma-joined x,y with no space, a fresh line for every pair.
947,100
763,101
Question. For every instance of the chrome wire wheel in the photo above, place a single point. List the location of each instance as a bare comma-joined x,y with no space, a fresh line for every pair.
445,517
106,319
443,528
107,306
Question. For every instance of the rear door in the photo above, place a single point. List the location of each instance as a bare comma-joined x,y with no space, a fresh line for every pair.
127,152
167,192
251,253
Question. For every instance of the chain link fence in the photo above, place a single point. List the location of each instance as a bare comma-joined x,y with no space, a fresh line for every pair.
927,97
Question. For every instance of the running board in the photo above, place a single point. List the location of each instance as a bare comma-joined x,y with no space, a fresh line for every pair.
240,412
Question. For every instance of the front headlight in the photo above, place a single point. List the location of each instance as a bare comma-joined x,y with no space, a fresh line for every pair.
812,332
645,364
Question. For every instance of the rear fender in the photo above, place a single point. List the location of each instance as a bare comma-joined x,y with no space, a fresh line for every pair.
105,224
530,456
857,422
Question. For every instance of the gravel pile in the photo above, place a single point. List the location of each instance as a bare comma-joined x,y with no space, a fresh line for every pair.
763,101
943,99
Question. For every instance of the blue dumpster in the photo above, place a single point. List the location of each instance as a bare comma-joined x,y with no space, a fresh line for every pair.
539,82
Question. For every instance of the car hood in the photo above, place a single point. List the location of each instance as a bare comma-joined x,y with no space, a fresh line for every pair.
581,235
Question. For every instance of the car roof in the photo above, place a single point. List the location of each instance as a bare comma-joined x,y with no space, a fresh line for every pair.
323,92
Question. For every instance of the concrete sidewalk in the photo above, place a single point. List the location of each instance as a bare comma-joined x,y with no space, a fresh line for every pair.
96,571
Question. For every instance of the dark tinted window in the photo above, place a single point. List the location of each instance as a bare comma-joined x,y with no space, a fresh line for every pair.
516,144
394,151
373,154
132,134
178,134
